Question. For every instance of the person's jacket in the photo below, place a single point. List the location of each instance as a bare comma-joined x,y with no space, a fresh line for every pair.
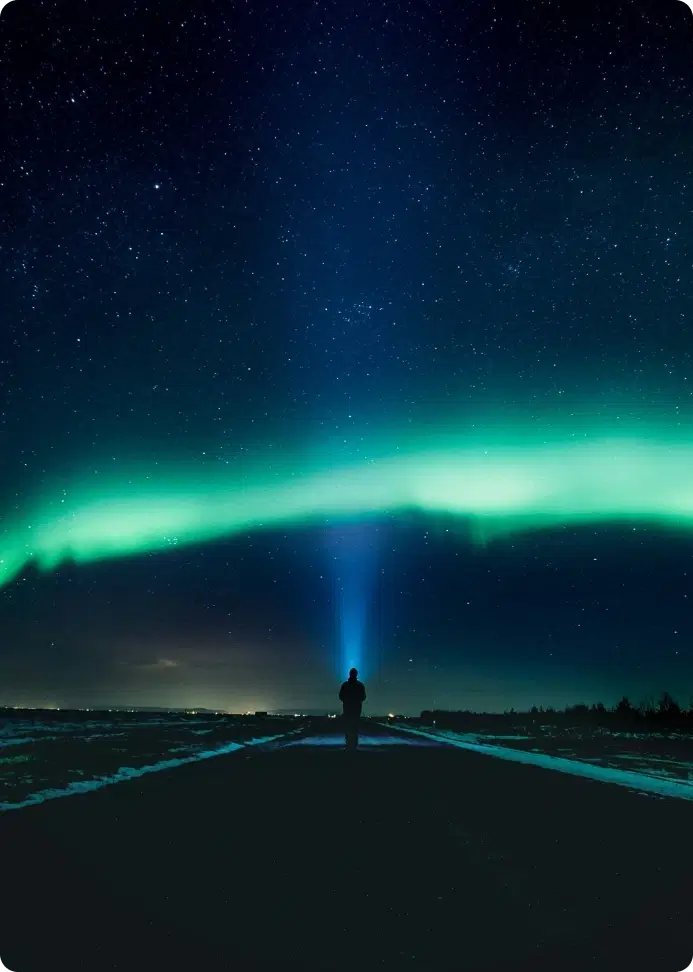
352,695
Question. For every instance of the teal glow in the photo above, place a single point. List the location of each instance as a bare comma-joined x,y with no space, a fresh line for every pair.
491,484
352,549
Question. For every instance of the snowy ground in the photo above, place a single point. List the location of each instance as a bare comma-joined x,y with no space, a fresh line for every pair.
660,764
41,759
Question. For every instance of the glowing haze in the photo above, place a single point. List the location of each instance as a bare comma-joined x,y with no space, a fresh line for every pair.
494,483
355,556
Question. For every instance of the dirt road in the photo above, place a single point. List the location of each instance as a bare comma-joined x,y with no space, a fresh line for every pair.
401,856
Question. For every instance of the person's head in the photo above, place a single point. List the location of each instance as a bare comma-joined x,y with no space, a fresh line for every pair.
353,673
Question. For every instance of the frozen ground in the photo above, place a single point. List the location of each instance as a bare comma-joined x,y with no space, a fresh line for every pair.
655,763
430,853
47,757
44,758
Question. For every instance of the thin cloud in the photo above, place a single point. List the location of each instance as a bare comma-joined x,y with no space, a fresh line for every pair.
160,664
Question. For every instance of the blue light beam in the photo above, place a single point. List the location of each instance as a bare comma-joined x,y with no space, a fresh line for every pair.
354,554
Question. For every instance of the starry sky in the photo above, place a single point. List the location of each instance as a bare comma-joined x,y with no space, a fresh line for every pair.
345,333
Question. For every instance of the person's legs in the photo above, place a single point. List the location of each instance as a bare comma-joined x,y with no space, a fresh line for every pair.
351,733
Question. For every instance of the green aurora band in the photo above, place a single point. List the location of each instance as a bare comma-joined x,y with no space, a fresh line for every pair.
490,487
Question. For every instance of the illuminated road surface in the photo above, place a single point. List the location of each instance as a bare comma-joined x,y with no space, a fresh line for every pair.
410,854
367,740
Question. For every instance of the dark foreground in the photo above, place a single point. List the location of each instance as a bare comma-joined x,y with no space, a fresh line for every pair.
315,859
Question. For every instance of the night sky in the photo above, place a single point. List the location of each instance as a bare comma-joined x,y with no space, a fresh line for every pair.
341,333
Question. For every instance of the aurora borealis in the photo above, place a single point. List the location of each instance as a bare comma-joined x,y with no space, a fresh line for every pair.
498,490
345,336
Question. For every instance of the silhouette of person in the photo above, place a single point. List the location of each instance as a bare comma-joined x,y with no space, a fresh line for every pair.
352,695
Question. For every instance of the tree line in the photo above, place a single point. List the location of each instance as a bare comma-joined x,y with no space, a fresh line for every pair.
650,714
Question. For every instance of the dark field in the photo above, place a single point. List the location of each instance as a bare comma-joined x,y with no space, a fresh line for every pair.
54,753
407,854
